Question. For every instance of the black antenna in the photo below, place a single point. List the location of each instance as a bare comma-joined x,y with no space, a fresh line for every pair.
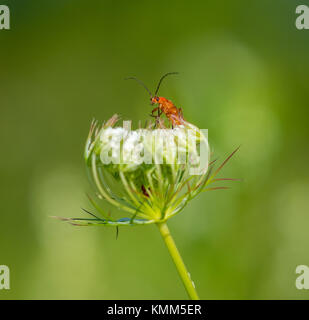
141,83
167,74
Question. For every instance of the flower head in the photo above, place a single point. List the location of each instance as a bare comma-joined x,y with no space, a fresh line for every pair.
150,174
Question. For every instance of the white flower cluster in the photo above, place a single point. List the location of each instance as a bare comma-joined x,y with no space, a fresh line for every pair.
131,148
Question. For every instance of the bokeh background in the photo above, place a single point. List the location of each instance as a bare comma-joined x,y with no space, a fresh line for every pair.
244,76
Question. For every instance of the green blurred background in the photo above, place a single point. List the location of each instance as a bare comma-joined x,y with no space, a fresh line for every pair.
244,76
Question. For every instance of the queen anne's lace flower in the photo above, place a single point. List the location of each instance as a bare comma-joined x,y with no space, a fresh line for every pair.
148,174
156,172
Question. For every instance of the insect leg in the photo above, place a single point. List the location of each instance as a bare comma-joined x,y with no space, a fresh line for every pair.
154,110
180,112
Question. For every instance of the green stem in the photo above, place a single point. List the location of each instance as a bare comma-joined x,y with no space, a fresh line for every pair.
181,268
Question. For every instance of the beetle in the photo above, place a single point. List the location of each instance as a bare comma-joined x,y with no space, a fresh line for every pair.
165,106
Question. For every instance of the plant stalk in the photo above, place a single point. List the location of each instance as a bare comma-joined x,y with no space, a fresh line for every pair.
181,268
